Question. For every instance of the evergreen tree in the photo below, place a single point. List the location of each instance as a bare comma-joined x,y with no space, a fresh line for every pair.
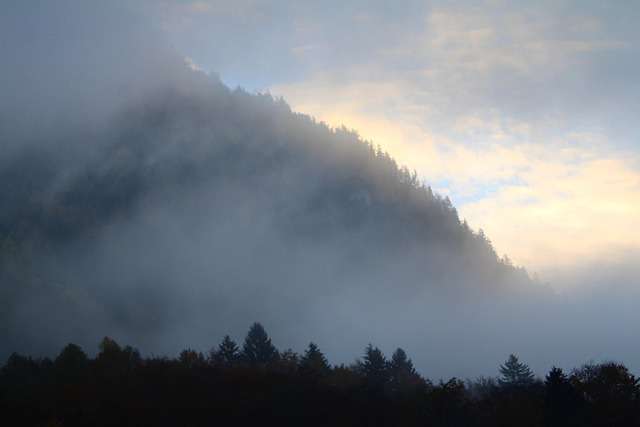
109,349
113,359
561,399
400,362
257,348
228,352
515,373
110,358
71,363
401,370
375,367
314,362
556,380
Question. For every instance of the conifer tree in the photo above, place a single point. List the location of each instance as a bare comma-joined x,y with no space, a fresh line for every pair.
71,363
314,362
515,373
375,367
109,348
257,347
400,362
561,399
227,354
114,359
401,370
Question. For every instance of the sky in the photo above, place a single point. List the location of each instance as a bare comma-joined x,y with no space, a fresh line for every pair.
523,113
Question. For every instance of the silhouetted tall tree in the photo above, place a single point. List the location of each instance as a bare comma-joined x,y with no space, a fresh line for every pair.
109,349
561,399
114,360
515,373
401,363
401,370
375,367
257,348
71,363
228,352
314,362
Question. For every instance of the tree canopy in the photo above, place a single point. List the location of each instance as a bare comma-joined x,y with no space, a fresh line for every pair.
515,373
257,347
119,386
314,362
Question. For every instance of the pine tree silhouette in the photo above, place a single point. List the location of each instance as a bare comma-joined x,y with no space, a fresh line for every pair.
227,354
375,367
515,373
257,348
400,362
561,399
401,370
314,362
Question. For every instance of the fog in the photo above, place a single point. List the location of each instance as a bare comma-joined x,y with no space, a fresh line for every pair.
147,201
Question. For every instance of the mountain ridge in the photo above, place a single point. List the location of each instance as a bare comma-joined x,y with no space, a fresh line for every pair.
204,184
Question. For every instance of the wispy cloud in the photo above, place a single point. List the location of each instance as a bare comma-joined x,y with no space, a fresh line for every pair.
523,113
547,203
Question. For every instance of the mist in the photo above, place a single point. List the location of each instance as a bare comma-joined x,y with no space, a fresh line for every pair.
147,201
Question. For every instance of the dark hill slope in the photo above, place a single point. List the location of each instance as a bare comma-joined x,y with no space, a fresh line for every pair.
198,209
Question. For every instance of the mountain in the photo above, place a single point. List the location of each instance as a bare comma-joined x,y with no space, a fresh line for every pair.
198,206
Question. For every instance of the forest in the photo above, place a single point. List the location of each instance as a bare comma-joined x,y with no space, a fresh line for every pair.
256,384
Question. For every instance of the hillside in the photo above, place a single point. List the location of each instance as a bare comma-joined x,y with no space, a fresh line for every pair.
202,193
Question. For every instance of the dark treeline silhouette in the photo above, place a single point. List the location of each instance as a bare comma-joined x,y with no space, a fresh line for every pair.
256,384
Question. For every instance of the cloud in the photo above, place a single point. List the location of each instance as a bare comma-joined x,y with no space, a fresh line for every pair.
522,41
523,115
547,204
200,6
562,212
190,63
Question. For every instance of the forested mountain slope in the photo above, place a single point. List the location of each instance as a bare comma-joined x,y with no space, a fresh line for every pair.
197,204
